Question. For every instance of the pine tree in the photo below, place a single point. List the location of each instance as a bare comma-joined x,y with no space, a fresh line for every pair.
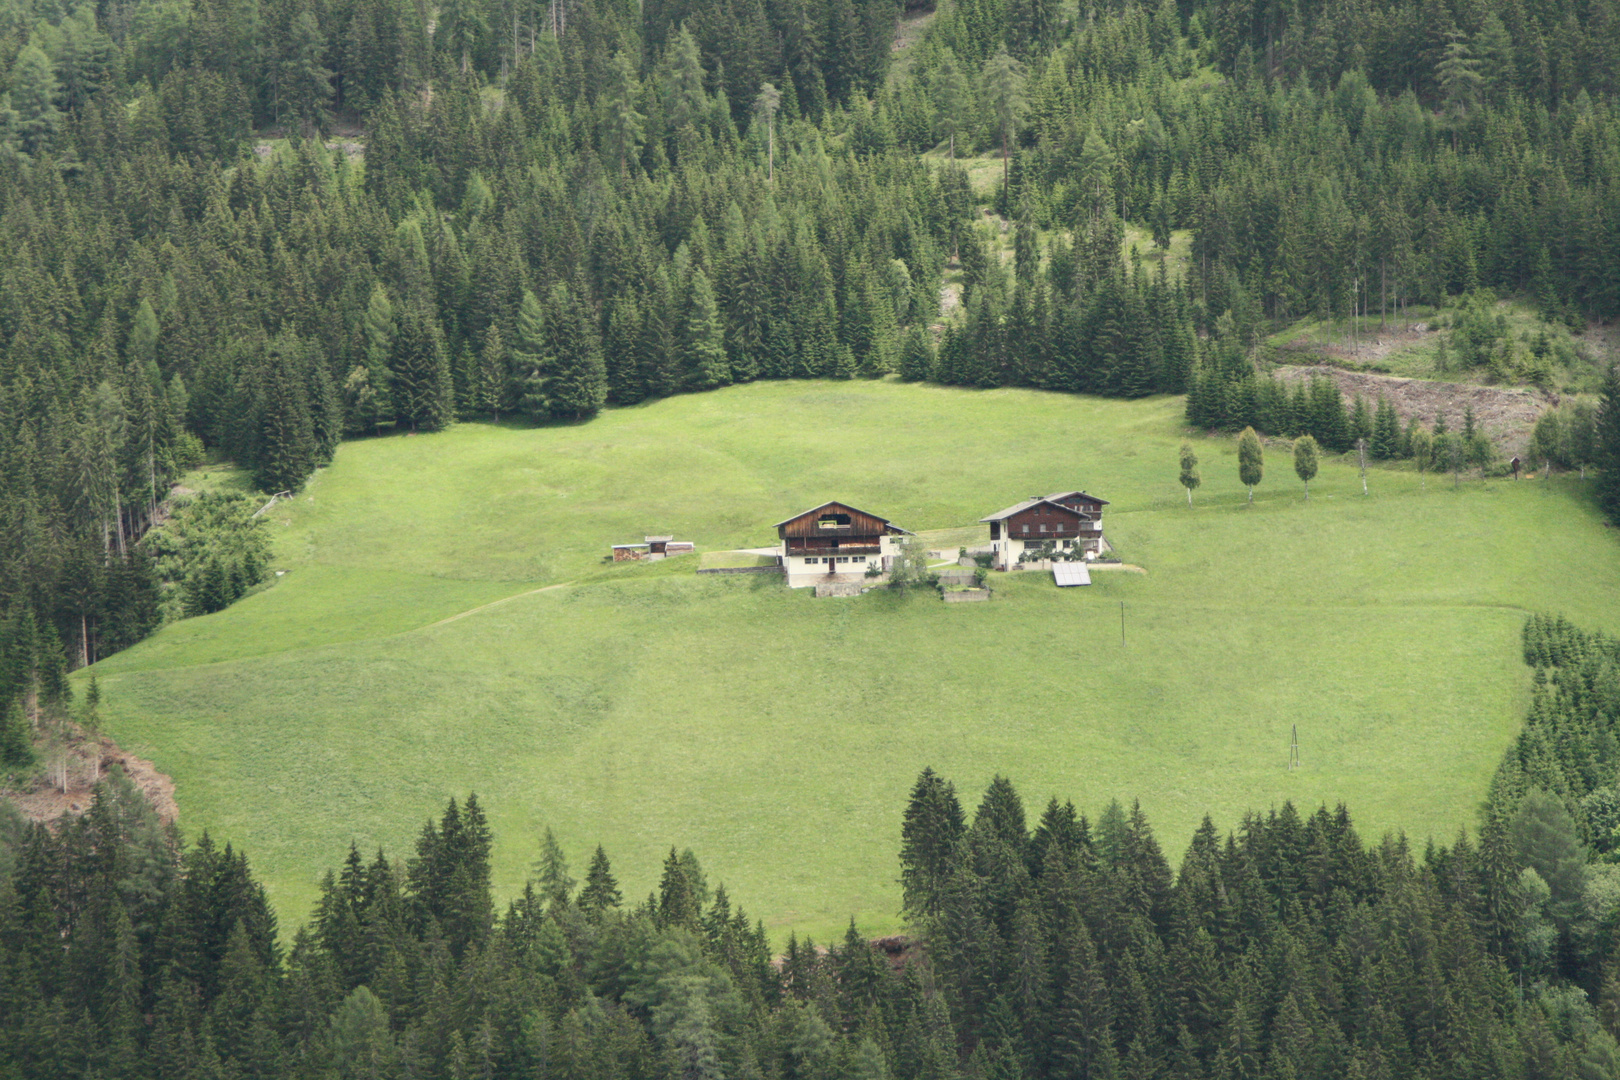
678,903
34,93
601,890
917,355
685,102
623,126
1004,89
1606,454
284,450
306,85
552,871
702,342
929,836
490,385
951,99
576,379
531,358
424,395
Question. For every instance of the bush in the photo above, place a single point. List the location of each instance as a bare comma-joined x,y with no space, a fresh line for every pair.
209,553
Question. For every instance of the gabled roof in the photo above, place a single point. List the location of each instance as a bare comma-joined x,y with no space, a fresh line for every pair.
846,506
1055,500
1061,495
1018,508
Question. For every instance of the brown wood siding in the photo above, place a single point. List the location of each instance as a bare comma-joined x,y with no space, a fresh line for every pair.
1090,506
1061,524
806,525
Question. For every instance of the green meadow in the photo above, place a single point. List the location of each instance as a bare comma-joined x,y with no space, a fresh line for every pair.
446,622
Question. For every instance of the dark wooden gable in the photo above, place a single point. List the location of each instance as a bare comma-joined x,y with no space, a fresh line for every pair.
835,519
1051,514
1079,500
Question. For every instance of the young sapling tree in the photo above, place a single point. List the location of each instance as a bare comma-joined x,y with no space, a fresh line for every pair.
1305,461
1189,470
1251,460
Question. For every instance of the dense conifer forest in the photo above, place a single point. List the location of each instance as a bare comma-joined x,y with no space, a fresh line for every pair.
1056,947
252,230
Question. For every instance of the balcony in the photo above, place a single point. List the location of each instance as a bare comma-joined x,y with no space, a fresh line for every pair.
797,550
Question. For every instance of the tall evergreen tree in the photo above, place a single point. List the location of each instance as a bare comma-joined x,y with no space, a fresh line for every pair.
576,380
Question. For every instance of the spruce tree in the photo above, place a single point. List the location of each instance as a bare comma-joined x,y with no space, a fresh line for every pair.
678,904
917,355
1606,452
490,384
424,396
34,93
702,342
284,450
929,835
601,890
576,381
531,358
371,397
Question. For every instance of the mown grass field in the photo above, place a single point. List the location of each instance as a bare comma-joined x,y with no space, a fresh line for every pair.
446,622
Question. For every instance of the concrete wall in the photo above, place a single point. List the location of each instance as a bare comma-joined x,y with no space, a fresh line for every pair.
974,596
840,588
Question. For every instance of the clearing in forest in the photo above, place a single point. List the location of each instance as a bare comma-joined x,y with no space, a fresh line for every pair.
644,705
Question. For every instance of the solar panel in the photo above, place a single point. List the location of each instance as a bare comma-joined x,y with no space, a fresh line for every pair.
1071,573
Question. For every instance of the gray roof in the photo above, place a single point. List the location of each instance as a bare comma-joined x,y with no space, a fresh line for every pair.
1035,500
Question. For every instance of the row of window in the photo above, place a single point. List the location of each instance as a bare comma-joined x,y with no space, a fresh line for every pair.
814,559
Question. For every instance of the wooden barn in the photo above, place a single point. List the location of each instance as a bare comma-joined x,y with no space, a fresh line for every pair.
835,542
654,548
1068,520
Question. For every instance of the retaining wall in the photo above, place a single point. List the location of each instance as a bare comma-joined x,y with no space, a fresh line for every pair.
970,596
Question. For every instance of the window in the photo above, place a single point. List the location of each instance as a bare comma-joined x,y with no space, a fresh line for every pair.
811,559
1026,528
832,521
843,558
1043,528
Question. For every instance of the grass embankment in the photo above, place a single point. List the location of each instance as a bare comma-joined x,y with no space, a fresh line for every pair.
640,705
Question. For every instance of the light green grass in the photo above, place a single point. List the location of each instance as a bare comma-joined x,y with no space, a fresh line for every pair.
722,560
416,648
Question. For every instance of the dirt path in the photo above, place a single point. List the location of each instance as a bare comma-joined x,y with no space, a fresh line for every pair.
495,603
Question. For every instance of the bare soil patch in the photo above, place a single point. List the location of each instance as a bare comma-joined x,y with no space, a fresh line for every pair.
1506,413
1365,350
44,801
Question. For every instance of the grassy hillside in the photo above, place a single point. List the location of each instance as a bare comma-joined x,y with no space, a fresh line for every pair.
446,622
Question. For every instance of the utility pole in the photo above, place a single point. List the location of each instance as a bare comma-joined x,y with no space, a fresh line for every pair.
1293,750
1122,624
1361,452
